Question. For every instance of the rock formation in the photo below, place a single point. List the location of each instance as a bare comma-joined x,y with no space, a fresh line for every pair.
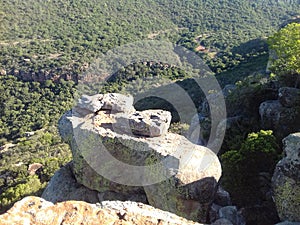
126,152
282,115
37,211
286,180
63,187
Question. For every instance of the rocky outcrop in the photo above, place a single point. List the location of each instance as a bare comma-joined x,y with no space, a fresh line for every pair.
64,187
132,153
37,211
289,97
282,115
202,126
286,180
232,214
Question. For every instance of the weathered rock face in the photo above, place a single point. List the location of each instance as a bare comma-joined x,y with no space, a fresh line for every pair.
282,120
231,213
126,158
63,187
149,123
282,115
289,97
286,180
92,103
37,211
118,103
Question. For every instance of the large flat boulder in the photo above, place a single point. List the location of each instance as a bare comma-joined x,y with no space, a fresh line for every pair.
108,155
37,211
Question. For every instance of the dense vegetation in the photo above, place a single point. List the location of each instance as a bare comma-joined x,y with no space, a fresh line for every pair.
30,106
50,39
257,154
28,116
44,147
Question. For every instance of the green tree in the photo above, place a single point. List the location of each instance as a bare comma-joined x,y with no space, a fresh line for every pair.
241,168
286,46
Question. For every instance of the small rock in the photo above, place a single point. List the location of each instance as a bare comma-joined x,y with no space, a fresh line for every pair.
231,213
222,197
91,103
2,72
117,103
214,212
222,221
149,123
33,168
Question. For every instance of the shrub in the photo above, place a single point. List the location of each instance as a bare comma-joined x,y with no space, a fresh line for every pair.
241,168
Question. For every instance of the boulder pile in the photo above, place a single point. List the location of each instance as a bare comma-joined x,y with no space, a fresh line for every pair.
120,153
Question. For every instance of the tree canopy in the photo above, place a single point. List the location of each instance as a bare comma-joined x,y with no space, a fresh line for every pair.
286,46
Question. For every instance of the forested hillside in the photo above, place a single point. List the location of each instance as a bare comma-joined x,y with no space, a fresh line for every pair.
51,39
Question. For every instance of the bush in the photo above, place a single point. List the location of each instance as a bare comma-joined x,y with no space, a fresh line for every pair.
241,168
31,186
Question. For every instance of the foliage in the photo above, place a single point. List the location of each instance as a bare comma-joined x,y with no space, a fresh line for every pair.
44,147
58,39
241,168
179,128
29,106
286,46
30,186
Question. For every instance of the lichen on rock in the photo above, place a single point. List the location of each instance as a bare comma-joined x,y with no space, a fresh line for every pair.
118,150
286,180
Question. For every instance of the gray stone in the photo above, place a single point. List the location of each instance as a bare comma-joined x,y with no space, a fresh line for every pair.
292,147
37,211
286,180
231,213
150,123
92,103
289,97
178,176
222,197
214,212
117,102
280,119
64,187
222,221
288,223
